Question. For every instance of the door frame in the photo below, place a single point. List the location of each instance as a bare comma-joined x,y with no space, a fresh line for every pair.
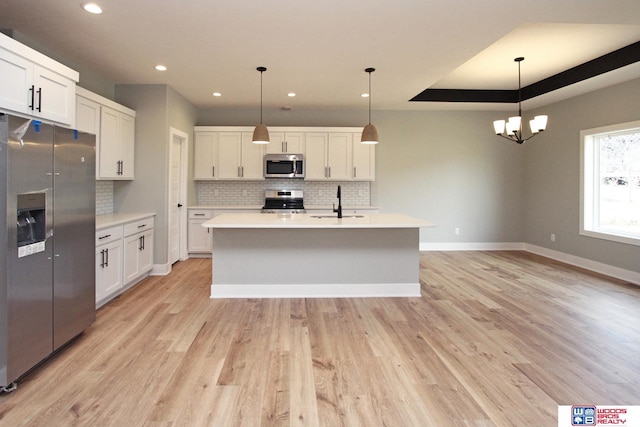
184,164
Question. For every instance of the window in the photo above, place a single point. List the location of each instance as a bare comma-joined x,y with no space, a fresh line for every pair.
610,187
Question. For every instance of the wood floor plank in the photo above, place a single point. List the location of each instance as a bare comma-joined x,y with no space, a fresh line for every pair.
497,338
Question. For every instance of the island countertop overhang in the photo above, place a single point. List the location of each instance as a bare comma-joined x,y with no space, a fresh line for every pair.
292,221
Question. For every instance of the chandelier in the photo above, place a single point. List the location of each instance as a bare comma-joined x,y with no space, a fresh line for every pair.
511,129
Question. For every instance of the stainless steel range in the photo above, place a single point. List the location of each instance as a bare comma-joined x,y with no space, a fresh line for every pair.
283,201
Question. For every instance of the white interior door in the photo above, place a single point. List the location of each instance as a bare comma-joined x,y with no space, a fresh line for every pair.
177,177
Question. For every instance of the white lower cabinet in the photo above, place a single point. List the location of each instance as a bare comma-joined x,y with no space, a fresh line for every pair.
124,256
199,237
138,249
108,262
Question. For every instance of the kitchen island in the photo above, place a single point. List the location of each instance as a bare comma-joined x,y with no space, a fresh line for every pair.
300,255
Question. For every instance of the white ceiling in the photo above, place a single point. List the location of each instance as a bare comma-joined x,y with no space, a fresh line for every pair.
319,49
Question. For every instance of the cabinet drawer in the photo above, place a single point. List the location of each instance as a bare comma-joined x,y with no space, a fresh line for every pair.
137,226
200,213
108,235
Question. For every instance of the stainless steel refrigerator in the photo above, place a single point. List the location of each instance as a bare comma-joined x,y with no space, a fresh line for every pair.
47,241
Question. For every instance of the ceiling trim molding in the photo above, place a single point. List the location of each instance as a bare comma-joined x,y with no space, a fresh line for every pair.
601,65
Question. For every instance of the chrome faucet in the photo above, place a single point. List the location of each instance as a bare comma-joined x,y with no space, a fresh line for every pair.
339,210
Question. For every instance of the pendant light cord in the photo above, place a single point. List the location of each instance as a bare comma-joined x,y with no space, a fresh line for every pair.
369,97
519,92
370,70
262,70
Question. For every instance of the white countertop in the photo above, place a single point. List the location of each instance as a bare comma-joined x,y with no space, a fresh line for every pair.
259,207
261,220
110,220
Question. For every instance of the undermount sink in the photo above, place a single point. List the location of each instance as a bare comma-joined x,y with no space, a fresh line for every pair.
335,216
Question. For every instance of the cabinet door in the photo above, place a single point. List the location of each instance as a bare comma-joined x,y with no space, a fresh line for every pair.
205,145
294,142
229,155
339,156
290,142
108,149
108,269
88,116
145,261
132,249
276,144
364,160
199,238
126,143
55,96
316,156
252,158
17,78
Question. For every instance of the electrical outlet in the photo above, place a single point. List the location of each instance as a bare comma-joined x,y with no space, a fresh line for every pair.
553,237
360,193
320,193
457,231
216,192
244,192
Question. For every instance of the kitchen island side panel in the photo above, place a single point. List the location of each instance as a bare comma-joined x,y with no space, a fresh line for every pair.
315,262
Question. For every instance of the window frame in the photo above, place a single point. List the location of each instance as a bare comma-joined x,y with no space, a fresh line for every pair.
589,185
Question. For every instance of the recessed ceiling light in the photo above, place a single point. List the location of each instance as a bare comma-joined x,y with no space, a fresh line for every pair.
161,68
216,94
291,94
92,8
365,95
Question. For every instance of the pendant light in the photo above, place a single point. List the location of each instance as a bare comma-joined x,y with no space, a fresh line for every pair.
369,133
511,129
261,133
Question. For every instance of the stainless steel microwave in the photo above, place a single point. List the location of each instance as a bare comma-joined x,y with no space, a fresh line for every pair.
284,166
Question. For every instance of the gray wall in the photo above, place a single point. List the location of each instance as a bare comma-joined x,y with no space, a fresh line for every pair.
158,108
552,175
446,167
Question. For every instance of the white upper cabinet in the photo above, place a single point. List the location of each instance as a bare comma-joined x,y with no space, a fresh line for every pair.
114,127
329,156
34,85
227,153
286,142
205,158
364,160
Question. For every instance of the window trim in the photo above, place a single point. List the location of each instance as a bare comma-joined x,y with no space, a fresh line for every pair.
589,190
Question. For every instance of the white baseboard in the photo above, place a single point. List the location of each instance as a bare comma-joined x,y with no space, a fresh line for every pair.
350,290
597,267
160,270
498,246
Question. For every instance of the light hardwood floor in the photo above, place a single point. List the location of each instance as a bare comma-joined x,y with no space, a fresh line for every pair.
497,339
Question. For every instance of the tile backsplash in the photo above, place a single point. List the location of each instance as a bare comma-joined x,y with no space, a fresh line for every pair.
251,193
104,197
238,193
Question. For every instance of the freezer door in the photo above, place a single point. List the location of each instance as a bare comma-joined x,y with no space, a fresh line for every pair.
28,303
74,302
